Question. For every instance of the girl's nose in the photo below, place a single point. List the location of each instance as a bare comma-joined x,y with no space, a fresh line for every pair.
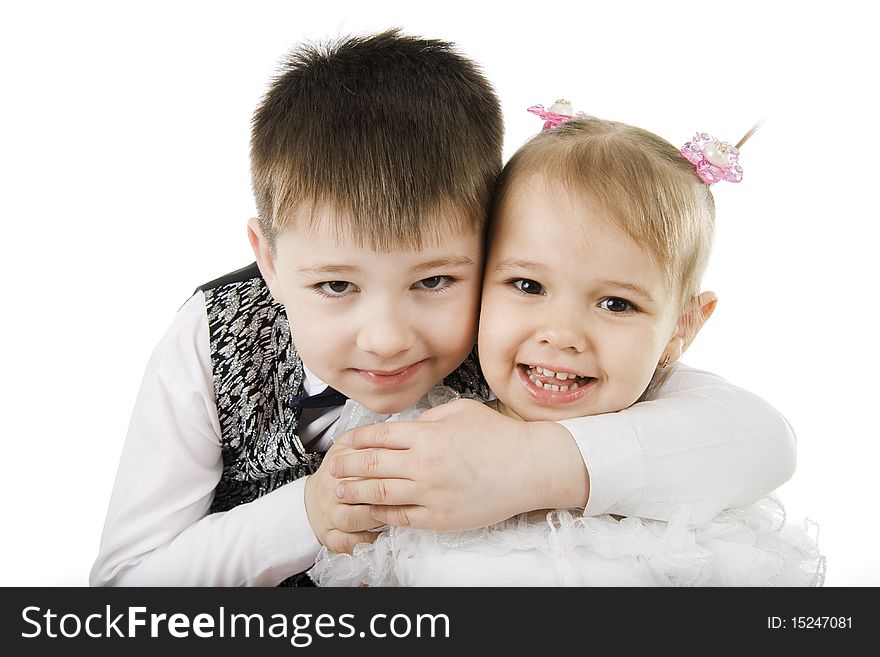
562,336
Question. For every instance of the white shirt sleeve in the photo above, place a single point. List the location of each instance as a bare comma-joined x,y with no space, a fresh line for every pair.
158,530
704,444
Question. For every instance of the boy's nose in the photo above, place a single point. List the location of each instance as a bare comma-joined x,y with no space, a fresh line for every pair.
385,336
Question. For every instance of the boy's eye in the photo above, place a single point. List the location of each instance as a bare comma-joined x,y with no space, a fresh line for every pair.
434,283
336,288
528,286
616,305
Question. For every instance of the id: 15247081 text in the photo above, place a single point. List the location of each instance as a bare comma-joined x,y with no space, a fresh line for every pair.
810,623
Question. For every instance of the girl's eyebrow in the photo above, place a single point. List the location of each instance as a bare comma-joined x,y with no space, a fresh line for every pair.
442,263
520,265
504,265
632,287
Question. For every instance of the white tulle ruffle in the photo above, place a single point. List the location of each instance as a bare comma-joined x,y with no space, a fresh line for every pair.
750,546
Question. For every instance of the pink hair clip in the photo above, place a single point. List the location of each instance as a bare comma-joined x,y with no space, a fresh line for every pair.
559,112
713,159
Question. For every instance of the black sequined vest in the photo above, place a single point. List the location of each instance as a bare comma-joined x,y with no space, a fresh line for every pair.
257,371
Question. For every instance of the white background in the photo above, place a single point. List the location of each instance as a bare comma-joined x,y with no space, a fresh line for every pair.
124,183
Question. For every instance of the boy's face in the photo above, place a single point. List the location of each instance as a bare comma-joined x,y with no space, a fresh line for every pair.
383,328
570,302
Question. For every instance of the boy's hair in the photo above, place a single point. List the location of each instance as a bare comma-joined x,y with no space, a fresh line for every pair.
641,182
398,137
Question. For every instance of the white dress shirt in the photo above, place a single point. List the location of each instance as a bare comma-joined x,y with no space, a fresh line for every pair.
705,444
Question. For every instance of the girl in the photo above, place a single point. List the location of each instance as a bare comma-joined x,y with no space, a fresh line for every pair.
599,237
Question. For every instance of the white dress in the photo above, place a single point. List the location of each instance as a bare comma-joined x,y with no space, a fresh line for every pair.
748,546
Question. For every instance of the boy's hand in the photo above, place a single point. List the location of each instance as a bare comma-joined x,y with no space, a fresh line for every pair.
460,466
338,526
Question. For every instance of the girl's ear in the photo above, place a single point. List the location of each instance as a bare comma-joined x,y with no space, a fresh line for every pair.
689,324
265,260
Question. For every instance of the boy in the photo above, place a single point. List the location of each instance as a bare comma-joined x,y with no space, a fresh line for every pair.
373,163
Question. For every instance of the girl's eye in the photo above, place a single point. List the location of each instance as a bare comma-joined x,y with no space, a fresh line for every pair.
434,283
616,305
528,286
336,288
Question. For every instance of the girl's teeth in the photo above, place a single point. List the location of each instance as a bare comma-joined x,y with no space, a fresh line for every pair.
562,376
550,386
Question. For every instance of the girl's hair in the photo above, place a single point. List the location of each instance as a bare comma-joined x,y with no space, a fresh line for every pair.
640,182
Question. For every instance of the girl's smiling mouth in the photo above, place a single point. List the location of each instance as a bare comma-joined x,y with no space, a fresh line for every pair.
551,386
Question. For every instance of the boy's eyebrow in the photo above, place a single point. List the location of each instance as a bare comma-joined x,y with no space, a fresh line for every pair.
327,269
441,263
436,263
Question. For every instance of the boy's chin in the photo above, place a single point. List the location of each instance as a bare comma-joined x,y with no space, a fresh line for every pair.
387,408
391,404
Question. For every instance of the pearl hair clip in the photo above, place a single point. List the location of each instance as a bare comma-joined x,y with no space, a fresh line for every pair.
558,113
714,159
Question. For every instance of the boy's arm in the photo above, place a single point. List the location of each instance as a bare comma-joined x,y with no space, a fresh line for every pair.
704,443
158,529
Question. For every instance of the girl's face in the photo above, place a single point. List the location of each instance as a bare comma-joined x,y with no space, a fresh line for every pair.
575,316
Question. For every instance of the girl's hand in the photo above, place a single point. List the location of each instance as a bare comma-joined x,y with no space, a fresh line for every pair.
462,465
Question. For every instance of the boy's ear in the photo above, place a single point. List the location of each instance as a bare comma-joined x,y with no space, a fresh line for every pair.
689,324
265,260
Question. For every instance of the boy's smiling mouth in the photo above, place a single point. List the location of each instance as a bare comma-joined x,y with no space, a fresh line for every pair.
392,377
